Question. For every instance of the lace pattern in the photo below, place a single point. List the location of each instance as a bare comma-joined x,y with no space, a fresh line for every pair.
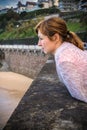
71,65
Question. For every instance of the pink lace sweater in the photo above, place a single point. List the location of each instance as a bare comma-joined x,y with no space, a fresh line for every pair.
71,65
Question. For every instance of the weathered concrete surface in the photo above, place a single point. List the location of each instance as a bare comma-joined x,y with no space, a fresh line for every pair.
47,105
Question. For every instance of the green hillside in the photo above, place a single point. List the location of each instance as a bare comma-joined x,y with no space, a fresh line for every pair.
15,26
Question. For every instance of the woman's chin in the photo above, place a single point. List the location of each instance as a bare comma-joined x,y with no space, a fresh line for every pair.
45,52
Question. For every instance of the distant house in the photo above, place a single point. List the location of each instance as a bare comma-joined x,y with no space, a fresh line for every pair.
48,3
21,7
63,5
68,5
29,6
83,5
45,3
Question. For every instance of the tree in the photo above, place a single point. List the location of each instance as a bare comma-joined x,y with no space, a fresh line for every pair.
12,15
3,23
23,14
40,5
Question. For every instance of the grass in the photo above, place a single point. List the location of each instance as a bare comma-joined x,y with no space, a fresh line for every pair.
14,34
75,26
25,32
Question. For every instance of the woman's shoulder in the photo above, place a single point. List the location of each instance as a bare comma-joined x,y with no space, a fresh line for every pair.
69,52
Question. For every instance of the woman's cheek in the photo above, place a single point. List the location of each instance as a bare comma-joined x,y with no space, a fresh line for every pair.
42,42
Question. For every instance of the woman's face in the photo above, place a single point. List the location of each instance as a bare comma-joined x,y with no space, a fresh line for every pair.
48,46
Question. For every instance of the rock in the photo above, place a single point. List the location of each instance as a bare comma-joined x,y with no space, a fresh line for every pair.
4,66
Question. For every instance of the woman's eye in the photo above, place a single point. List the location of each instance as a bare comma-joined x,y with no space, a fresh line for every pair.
40,39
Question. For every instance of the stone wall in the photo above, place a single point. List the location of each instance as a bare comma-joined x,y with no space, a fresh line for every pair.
26,63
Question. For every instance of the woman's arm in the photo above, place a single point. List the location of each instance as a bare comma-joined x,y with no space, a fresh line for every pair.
73,79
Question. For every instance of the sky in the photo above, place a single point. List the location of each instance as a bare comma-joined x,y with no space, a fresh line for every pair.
12,3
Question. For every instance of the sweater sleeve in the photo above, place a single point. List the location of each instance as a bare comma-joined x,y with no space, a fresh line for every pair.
72,77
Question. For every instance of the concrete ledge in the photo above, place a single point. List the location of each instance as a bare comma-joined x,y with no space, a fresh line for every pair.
47,105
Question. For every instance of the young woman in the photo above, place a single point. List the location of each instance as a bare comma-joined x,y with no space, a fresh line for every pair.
70,57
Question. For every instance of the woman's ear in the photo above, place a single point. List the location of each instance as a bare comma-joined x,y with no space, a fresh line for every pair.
55,37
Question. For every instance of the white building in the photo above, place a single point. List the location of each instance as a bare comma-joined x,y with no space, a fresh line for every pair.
48,3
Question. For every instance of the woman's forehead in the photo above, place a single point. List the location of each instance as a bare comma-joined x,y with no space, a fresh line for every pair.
39,33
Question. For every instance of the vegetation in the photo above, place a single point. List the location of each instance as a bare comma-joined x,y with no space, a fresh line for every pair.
23,29
14,25
76,26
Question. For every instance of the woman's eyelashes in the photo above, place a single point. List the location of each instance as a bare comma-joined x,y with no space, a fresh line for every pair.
40,38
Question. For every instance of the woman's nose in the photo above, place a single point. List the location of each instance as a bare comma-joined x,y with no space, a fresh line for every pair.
39,43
